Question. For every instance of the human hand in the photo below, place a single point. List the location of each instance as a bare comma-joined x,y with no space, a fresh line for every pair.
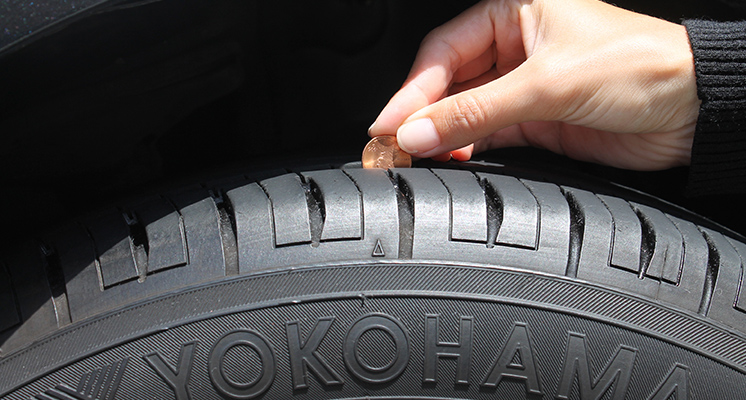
578,77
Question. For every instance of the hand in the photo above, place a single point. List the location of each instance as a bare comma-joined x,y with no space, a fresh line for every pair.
577,77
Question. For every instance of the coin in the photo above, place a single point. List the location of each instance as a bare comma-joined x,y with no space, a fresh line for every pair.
384,152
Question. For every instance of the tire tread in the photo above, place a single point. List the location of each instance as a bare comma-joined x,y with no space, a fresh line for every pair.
238,226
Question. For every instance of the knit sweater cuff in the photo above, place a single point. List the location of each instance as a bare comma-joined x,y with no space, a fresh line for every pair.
719,150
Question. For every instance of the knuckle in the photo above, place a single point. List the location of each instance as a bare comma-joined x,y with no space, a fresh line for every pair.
431,38
438,42
468,113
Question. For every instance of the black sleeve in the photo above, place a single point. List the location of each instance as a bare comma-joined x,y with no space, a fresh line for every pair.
719,150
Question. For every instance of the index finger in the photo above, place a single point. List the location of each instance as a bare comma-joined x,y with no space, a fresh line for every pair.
441,54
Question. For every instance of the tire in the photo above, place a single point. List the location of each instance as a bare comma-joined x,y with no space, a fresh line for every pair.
467,281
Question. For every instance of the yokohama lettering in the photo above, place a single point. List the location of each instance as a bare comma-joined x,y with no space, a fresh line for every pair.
515,360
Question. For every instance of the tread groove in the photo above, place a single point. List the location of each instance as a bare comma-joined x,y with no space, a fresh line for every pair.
577,230
137,230
405,204
680,270
494,211
648,243
139,242
316,208
228,232
56,279
713,266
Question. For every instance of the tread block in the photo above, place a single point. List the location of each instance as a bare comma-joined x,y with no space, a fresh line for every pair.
667,259
597,234
77,257
290,214
165,233
342,202
201,221
377,218
114,248
688,292
35,307
552,228
432,230
627,236
8,308
380,211
254,235
431,210
520,211
595,252
468,210
85,292
685,292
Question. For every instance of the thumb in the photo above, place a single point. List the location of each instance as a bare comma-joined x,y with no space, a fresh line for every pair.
462,119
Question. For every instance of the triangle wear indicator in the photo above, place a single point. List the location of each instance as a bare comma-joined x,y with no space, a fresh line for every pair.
378,250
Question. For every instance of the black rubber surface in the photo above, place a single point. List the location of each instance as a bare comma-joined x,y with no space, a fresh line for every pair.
466,281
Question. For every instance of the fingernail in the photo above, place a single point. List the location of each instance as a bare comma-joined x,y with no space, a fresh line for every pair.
418,136
370,128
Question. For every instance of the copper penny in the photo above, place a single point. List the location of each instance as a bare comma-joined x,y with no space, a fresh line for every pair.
384,152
